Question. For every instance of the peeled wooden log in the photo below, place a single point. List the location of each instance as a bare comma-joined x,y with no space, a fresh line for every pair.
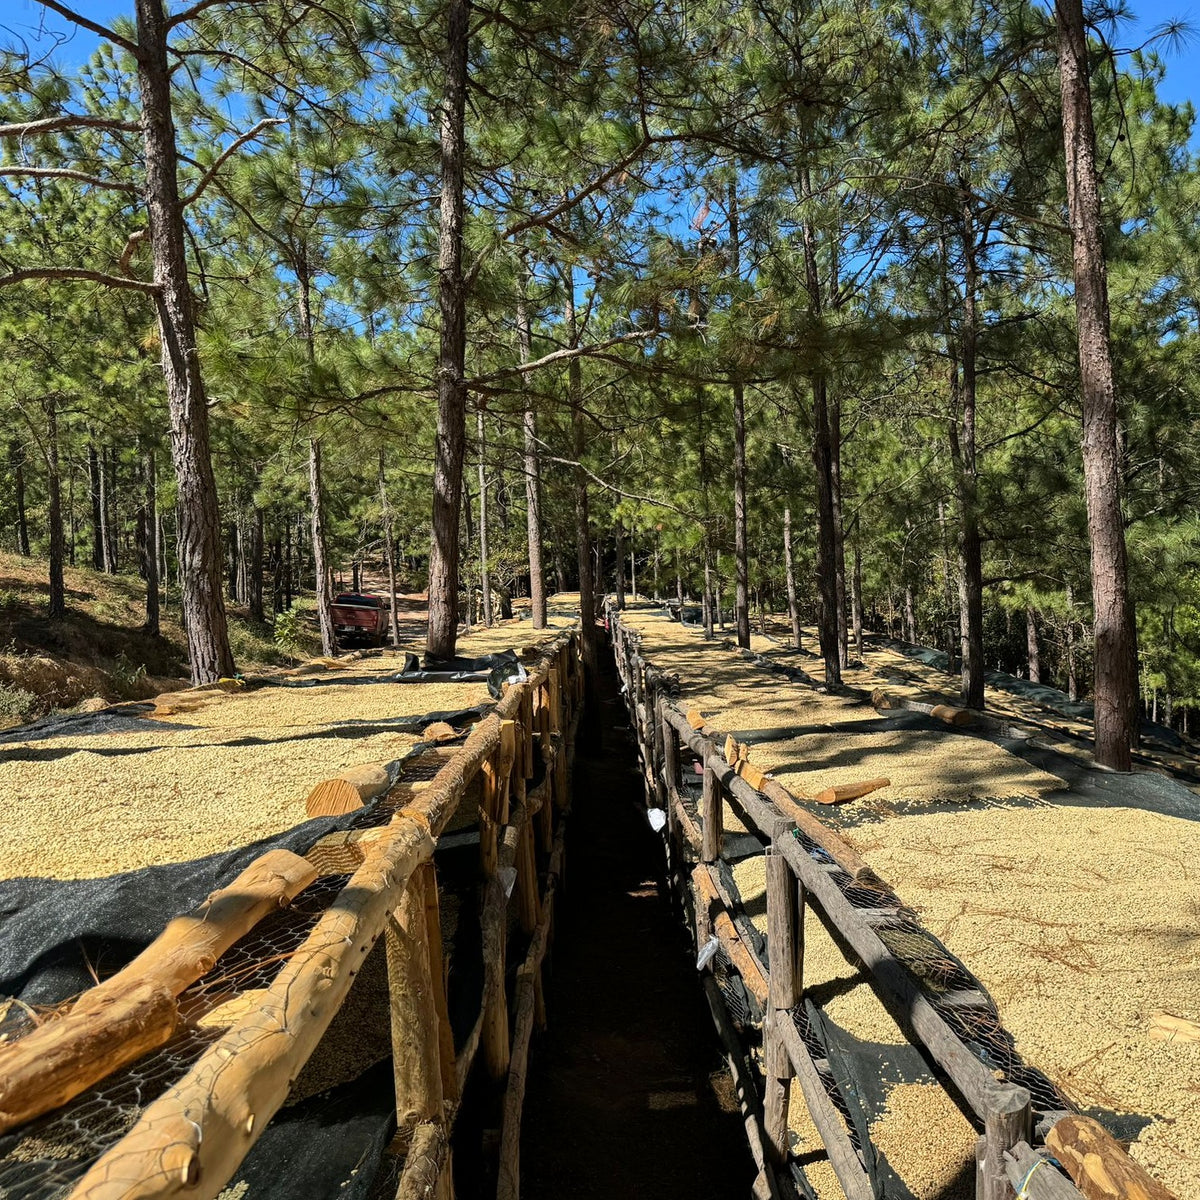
840,850
343,852
749,772
350,790
948,713
425,1163
843,792
134,1011
952,715
1167,1027
695,718
1098,1163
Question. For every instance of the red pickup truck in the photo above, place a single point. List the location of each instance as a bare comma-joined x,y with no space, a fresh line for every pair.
359,615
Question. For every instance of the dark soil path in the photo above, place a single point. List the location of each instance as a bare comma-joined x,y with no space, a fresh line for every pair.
628,1095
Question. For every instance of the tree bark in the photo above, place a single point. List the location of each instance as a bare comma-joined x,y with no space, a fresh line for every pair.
94,497
533,481
149,548
583,536
451,385
321,574
485,573
198,514
790,573
255,591
16,458
58,593
619,536
388,542
1031,645
1114,631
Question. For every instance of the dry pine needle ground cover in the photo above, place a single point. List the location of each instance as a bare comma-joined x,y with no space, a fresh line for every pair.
1081,921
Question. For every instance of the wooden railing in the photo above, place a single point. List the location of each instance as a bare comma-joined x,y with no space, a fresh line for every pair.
795,879
191,1140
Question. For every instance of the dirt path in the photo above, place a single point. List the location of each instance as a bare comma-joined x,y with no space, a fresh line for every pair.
628,1094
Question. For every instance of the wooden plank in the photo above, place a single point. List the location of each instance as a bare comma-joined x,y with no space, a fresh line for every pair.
1099,1164
134,1011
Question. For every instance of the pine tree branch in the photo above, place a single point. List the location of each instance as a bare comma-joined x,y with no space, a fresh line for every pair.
64,173
226,154
116,281
190,14
66,121
559,355
94,26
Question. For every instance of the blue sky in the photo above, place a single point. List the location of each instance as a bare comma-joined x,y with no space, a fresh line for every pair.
23,18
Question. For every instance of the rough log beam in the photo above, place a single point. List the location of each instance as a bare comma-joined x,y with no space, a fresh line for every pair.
134,1011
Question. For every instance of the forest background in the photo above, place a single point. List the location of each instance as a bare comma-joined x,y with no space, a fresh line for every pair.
729,278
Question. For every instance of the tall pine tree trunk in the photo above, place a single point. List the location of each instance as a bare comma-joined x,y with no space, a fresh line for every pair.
16,458
107,549
1031,647
58,594
829,622
790,574
533,481
94,497
839,537
389,546
452,306
970,555
619,537
197,511
255,596
149,547
320,562
741,552
583,536
856,599
485,572
1115,634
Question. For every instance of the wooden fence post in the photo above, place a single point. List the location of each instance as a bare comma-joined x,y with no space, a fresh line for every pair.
1007,1121
416,1036
785,946
711,810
